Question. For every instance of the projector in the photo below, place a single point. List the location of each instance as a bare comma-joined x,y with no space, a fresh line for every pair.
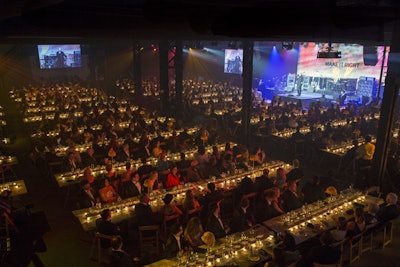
330,54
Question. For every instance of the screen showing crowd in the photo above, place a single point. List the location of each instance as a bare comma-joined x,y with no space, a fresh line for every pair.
59,56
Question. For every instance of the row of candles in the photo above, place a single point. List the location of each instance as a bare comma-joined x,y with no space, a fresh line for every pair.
125,207
119,167
317,212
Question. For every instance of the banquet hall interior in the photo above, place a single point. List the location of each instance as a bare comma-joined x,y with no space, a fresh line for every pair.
93,94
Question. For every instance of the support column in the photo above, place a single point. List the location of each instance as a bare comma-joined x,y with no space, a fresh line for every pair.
137,72
247,89
164,85
390,96
178,64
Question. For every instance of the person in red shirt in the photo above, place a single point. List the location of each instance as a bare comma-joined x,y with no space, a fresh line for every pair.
173,178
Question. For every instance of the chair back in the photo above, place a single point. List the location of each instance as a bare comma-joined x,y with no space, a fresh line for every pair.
149,240
102,252
355,247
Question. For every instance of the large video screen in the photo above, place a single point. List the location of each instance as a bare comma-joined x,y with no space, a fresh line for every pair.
59,56
353,60
233,61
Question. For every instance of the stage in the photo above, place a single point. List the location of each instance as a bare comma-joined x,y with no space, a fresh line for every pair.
307,98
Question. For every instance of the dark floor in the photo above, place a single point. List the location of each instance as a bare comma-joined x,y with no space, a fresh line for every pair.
68,245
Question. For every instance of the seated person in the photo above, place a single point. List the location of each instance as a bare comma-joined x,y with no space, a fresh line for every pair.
246,186
151,183
211,196
87,196
193,173
190,203
173,177
193,232
340,232
267,208
128,171
242,219
296,173
72,163
371,214
107,192
215,224
286,254
326,253
258,156
390,210
133,187
106,227
313,191
175,243
263,182
145,170
290,200
356,226
144,212
280,179
88,175
119,257
170,210
124,153
88,159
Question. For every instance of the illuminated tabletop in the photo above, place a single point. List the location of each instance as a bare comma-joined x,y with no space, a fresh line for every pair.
16,187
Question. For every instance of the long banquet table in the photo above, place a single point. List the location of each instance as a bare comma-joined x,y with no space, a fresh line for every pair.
68,178
125,209
248,248
312,219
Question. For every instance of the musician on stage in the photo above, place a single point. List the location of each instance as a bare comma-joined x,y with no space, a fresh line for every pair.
299,84
342,97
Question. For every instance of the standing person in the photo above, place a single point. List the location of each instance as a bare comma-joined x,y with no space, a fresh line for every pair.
162,166
299,84
61,58
364,155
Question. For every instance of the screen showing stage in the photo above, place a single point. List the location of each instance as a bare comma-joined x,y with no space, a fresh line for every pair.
233,61
355,61
59,56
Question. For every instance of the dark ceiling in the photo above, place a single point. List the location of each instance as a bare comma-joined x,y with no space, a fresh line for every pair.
113,20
